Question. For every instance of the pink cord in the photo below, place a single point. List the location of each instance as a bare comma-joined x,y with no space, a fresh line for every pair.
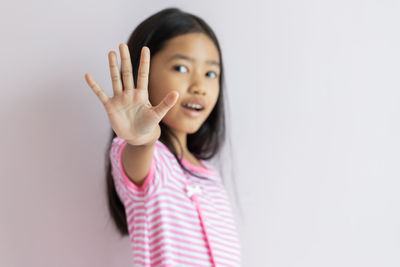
194,198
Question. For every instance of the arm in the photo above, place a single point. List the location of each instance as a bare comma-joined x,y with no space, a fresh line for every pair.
136,161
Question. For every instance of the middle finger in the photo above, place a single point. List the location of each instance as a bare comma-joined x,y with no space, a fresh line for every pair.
126,66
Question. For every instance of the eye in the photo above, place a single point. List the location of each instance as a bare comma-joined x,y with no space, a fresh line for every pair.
213,74
180,68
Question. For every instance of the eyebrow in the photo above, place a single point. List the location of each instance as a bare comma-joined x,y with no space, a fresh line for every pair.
180,56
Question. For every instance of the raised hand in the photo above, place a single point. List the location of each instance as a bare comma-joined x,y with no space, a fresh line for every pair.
130,112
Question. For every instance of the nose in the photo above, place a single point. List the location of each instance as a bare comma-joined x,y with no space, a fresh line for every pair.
197,86
195,89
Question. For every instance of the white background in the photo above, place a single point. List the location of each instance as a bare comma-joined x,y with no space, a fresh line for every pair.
314,95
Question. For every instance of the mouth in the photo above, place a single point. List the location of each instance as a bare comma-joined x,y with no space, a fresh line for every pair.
193,110
192,106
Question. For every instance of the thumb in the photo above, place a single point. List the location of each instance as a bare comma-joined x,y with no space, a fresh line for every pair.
166,104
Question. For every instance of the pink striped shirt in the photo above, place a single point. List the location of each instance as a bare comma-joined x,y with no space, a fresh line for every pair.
176,219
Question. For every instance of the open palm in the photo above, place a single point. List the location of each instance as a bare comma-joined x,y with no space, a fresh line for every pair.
130,112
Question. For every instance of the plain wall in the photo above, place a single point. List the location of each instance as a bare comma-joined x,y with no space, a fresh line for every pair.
314,95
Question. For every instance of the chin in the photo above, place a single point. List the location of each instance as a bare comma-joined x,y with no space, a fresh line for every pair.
191,129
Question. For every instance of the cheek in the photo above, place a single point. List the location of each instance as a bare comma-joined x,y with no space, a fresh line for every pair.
156,93
153,100
170,118
152,87
213,102
155,87
215,97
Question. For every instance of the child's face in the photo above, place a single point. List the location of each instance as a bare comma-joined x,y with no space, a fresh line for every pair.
196,79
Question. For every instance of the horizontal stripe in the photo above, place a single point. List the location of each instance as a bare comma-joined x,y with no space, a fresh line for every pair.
164,223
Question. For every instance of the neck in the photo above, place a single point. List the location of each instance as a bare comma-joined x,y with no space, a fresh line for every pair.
182,137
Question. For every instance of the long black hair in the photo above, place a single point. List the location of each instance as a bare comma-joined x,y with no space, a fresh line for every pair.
204,144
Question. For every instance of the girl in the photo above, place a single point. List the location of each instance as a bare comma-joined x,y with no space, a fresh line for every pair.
167,119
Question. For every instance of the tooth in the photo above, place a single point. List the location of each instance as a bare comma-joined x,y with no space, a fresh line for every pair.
192,105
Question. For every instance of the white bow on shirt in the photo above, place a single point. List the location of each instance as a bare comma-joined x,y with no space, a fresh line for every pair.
193,189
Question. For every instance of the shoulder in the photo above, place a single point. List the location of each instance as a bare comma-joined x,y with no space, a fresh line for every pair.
161,169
